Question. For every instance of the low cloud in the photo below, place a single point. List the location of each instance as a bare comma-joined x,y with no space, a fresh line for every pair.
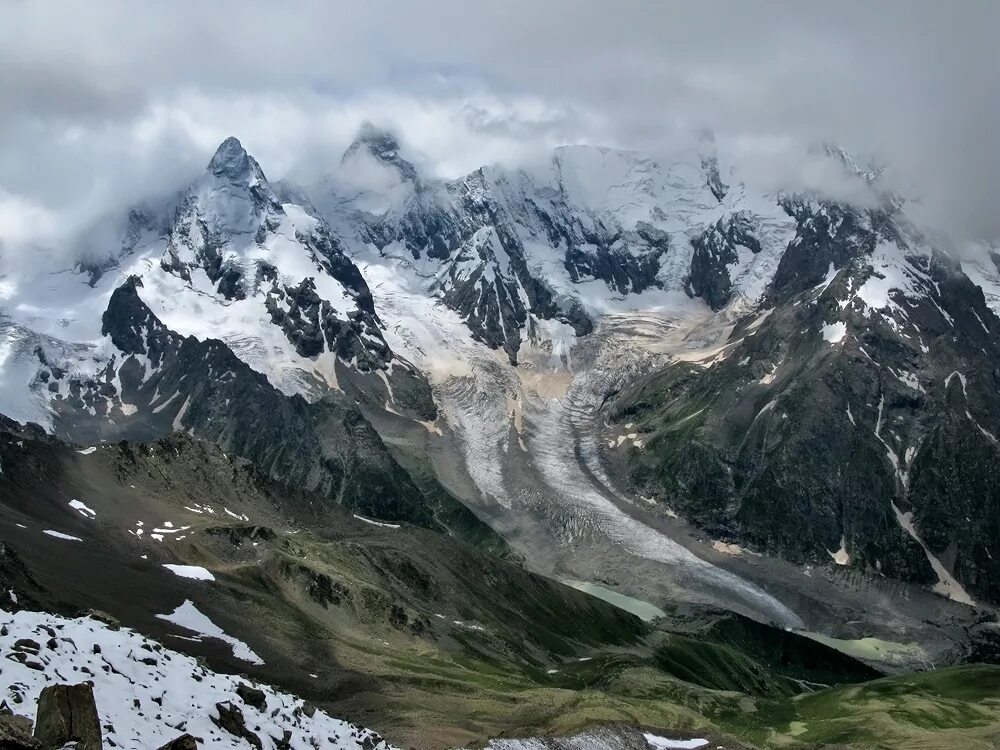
107,102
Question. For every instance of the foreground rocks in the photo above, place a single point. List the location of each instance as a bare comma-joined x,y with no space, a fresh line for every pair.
68,713
184,742
15,732
231,720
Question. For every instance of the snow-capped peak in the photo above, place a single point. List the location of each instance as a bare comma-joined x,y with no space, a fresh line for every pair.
373,177
383,147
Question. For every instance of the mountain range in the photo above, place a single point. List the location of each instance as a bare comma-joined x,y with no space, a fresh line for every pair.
769,419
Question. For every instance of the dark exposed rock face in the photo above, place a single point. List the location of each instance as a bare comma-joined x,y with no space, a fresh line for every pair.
710,166
14,574
828,234
627,261
384,148
15,733
847,430
715,249
184,742
484,276
252,696
175,382
231,720
68,713
319,587
312,326
238,535
299,317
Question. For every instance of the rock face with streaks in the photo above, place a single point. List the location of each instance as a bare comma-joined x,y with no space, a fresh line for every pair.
717,248
506,248
857,383
160,381
861,402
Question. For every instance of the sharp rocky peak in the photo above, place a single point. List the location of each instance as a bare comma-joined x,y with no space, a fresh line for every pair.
232,161
383,147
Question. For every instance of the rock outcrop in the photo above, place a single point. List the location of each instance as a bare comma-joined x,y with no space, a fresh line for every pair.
68,713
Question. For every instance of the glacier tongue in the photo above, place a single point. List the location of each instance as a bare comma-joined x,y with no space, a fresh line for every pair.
527,439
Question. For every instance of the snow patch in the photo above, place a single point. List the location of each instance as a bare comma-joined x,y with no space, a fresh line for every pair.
834,332
61,535
725,548
194,572
377,523
662,743
946,586
841,556
188,617
81,508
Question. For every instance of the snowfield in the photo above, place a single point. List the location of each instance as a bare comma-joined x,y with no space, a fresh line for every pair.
190,618
148,695
195,572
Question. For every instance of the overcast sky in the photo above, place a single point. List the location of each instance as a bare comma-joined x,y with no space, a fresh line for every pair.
104,102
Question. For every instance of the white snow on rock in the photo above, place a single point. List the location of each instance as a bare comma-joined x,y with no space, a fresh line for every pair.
841,556
175,694
61,535
80,507
834,332
946,586
87,451
377,523
961,378
662,743
195,572
191,618
979,266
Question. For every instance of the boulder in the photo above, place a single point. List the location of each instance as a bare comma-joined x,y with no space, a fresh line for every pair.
109,620
252,696
285,743
184,742
68,713
15,732
231,720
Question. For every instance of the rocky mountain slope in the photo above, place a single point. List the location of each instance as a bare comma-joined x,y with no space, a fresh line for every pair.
862,397
826,300
193,326
396,627
649,378
516,251
147,695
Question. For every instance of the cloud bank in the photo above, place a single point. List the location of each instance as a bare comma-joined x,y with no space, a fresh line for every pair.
104,102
